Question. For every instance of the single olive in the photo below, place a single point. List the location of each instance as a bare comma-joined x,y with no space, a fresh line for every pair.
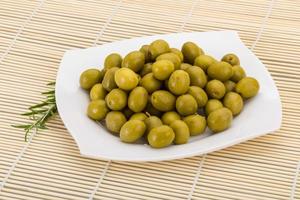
89,78
152,122
116,99
146,69
112,60
212,105
190,52
204,61
247,87
138,98
145,50
162,69
231,59
220,70
126,79
157,48
234,102
109,79
127,112
197,76
199,95
161,136
215,89
171,57
135,61
132,130
97,92
181,130
151,110
178,53
238,73
114,120
97,109
169,117
196,124
219,120
163,100
229,85
179,82
184,66
150,83
139,116
186,105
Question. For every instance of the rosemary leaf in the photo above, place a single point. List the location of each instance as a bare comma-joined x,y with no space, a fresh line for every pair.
40,113
49,92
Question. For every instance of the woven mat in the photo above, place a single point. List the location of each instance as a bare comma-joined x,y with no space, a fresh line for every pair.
33,37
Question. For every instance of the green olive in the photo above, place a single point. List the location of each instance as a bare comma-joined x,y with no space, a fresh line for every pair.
151,110
161,136
231,59
163,100
196,124
139,116
197,76
112,60
247,87
229,85
219,120
186,105
116,99
179,82
178,53
97,109
199,95
238,73
215,89
127,112
220,70
169,117
204,61
145,50
181,130
97,92
190,52
152,122
162,69
234,102
212,105
146,69
132,130
135,61
114,120
184,66
126,79
171,57
109,79
89,78
138,98
158,47
150,83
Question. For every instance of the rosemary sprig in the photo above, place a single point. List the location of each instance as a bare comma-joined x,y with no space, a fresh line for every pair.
40,113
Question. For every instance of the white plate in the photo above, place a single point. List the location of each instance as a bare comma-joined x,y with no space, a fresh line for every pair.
261,114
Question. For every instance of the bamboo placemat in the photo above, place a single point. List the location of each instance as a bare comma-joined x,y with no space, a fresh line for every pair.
33,37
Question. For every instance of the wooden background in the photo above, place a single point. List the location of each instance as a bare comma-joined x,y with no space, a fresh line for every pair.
33,37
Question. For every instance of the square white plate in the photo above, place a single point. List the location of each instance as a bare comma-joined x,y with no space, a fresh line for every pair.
261,114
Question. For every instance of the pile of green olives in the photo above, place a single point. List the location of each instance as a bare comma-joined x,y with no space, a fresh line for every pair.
162,95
